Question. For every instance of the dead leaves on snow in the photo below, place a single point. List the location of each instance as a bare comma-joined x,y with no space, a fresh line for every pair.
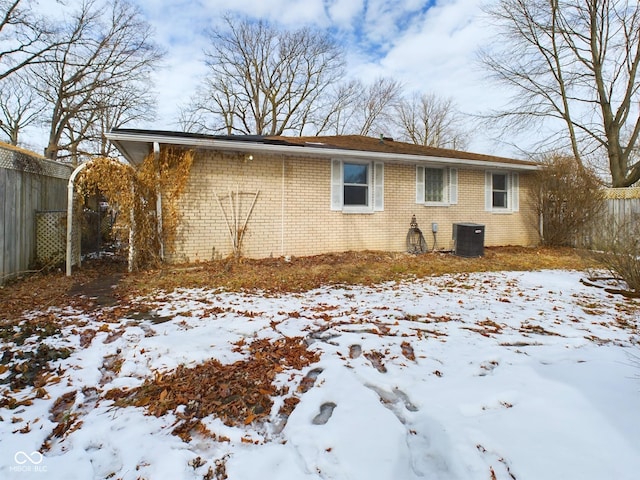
239,393
30,368
407,351
67,413
62,415
376,358
528,328
486,328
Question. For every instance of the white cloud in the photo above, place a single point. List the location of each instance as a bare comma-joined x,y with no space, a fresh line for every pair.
176,81
181,31
286,12
428,45
342,12
437,53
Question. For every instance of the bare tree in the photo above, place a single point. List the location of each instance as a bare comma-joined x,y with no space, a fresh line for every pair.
376,106
191,118
263,80
19,106
426,119
24,37
111,108
106,49
336,110
212,109
575,62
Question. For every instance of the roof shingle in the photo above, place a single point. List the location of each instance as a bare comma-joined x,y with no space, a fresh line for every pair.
385,145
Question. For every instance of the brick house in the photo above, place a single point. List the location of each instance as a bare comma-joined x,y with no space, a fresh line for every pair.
310,195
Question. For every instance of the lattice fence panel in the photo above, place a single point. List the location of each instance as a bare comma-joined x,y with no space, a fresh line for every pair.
622,193
51,238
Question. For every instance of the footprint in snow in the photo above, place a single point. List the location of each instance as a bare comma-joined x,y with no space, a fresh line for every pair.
309,380
405,399
326,410
487,367
375,358
391,398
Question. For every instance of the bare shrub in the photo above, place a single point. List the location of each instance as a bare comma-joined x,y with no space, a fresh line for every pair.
568,200
617,249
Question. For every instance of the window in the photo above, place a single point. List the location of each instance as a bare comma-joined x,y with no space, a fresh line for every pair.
433,184
436,186
501,192
357,187
356,184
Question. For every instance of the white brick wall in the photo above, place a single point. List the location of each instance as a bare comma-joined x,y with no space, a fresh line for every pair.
292,214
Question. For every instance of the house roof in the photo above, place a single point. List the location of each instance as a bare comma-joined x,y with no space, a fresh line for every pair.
136,144
388,145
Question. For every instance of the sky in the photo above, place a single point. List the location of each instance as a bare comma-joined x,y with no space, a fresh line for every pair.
428,45
503,375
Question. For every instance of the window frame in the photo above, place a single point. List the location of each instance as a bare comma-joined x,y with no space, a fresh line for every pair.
375,186
511,194
503,193
368,185
444,190
449,186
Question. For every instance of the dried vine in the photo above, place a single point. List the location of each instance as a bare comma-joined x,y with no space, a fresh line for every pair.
169,174
133,193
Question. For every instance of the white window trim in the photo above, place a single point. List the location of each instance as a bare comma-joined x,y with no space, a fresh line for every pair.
450,193
513,192
375,184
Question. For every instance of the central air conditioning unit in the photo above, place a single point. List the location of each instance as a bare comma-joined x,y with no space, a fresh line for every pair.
468,239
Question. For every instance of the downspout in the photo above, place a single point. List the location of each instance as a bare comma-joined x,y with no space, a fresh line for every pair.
541,217
156,157
132,233
282,208
70,194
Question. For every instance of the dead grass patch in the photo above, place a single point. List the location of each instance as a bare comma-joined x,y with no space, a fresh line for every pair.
272,275
301,274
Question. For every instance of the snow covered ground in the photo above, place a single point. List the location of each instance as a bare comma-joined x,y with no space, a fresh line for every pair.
512,375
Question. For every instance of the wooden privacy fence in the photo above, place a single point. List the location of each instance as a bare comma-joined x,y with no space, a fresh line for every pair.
623,208
621,215
28,184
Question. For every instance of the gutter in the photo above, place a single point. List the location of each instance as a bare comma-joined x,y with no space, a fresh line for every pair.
294,150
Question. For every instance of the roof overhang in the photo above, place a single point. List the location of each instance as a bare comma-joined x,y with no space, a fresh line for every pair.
136,145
